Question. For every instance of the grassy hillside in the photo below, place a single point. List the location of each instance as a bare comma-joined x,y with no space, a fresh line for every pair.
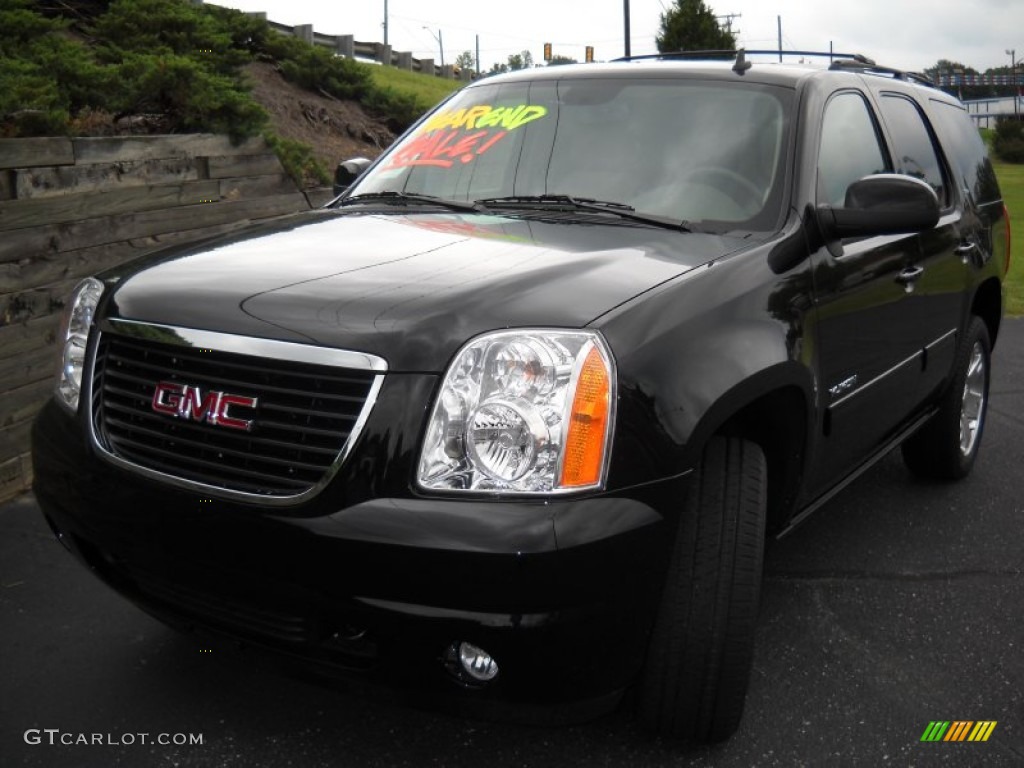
86,67
422,91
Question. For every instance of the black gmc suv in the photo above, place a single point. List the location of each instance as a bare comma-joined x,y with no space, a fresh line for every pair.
507,422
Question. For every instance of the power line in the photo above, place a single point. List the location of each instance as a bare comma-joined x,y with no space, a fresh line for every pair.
728,20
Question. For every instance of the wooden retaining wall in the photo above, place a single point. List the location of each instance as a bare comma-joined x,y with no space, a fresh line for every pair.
70,208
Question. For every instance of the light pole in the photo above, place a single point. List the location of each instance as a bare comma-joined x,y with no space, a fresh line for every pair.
625,21
440,44
1012,53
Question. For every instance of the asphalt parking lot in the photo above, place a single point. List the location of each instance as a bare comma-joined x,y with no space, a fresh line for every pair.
898,604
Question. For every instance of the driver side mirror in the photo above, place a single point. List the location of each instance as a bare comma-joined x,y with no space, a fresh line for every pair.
881,204
347,172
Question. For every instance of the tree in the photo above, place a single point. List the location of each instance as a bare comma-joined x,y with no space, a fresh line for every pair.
689,25
558,59
950,69
465,60
522,60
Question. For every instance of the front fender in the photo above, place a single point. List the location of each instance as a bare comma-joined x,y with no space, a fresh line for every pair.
700,351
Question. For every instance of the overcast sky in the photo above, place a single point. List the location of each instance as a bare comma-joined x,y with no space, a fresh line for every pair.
907,34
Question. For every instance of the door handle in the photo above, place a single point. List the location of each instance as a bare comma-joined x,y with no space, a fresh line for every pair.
909,276
964,251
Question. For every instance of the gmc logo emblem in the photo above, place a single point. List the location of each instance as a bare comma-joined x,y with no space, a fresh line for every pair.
186,402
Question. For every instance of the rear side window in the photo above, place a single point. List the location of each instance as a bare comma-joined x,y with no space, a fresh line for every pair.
914,147
966,151
850,149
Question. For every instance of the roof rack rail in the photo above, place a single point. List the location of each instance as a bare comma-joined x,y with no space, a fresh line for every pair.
861,59
876,69
855,62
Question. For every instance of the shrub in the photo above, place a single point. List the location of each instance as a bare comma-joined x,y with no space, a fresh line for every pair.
298,161
400,108
317,69
196,98
162,27
33,100
1008,140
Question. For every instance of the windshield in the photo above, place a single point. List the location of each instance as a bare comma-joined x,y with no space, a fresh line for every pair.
687,150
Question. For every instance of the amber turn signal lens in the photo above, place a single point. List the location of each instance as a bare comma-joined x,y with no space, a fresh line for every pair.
588,422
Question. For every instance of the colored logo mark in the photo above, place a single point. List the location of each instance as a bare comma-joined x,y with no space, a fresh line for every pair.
958,730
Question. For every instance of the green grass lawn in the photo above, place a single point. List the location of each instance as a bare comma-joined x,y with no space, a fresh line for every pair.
427,90
1011,182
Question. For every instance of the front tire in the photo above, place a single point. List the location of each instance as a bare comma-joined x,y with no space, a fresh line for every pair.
698,665
946,447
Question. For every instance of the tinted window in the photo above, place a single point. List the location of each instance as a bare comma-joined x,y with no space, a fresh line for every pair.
914,148
850,149
688,150
966,151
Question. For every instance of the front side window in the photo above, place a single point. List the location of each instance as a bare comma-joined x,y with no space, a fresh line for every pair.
850,147
688,150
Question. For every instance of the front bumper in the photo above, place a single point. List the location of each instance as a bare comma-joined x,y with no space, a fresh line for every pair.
562,594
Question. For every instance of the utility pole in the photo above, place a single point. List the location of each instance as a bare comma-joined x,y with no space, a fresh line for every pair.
478,55
625,15
728,20
385,22
780,37
1012,53
440,43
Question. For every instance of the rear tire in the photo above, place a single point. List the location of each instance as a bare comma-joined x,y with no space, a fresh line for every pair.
946,447
698,665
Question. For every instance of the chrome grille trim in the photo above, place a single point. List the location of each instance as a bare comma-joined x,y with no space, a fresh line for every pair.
246,345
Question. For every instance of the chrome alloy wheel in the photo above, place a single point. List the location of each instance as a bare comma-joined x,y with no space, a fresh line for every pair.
972,407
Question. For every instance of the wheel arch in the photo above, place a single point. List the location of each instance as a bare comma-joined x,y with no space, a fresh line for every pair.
774,410
988,305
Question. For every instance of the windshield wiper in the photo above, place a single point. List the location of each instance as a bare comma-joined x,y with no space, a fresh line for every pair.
622,210
405,198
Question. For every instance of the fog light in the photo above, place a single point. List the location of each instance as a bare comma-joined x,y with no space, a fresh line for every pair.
470,664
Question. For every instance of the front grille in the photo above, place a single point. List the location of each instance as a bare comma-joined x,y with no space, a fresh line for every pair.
301,428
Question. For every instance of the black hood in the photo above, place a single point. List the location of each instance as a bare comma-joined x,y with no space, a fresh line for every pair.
409,288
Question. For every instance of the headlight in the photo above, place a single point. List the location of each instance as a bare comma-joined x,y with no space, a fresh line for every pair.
74,334
526,411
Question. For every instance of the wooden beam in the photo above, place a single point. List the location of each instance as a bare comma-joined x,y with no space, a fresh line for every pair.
14,440
22,306
49,267
15,476
33,365
226,166
23,337
249,187
16,214
29,153
103,177
31,242
24,402
120,148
